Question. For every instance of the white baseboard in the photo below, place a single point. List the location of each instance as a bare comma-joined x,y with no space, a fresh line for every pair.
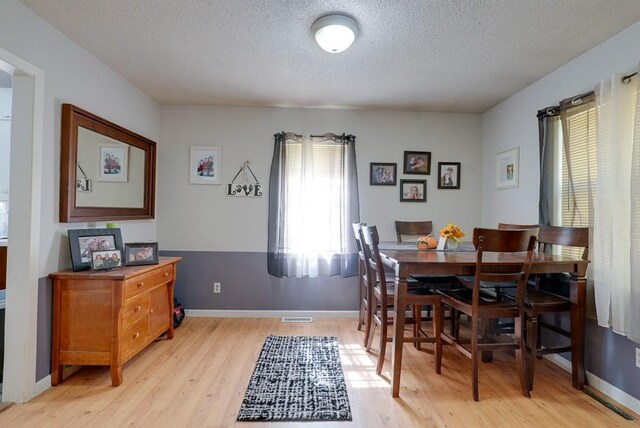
232,313
603,386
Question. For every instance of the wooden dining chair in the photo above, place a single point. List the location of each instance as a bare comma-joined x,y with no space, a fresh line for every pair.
549,294
362,285
481,305
382,302
417,229
509,226
407,229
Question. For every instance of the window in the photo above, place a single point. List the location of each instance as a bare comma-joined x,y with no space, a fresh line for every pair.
577,168
590,172
313,199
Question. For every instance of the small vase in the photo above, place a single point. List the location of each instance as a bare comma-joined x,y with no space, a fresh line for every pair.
452,244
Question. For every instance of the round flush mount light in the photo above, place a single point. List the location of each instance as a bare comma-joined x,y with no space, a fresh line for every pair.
334,33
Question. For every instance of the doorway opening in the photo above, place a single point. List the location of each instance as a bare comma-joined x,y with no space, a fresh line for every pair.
5,151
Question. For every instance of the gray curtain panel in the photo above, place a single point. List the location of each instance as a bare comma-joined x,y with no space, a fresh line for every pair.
546,130
281,261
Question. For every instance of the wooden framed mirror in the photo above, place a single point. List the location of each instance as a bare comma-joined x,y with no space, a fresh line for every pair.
106,171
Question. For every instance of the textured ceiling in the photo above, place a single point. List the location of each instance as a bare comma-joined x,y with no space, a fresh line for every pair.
429,55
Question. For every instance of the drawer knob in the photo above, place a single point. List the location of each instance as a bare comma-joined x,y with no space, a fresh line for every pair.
140,284
137,335
150,311
137,308
166,274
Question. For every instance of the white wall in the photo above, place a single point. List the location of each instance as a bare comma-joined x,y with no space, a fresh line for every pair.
5,142
74,76
513,123
201,217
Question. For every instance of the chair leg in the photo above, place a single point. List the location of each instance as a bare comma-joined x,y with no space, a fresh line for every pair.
538,345
370,328
453,314
438,320
367,325
474,357
383,342
532,344
521,356
417,309
362,308
487,356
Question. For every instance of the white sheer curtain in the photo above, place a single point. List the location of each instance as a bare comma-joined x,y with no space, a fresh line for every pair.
616,249
313,199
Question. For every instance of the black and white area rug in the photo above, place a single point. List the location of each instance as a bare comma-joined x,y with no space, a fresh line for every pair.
297,378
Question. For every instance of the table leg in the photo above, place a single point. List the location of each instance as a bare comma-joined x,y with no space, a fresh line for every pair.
578,296
398,334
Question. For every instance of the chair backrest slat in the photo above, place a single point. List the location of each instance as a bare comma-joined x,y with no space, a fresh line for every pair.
503,241
566,236
509,226
373,260
412,228
356,231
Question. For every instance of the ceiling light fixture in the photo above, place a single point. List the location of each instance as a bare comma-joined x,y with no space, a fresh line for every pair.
334,33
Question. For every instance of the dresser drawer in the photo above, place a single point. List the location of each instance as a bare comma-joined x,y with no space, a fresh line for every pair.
135,309
147,281
134,338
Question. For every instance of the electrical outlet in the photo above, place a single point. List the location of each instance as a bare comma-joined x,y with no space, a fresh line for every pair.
216,287
638,357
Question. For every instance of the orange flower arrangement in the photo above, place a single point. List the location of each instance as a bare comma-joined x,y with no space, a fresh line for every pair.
452,231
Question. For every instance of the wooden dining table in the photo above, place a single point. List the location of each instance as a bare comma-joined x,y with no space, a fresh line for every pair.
405,259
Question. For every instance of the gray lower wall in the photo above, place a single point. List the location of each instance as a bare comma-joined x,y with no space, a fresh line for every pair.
247,285
45,324
608,355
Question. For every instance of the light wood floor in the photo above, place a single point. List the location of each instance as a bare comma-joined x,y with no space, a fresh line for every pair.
199,379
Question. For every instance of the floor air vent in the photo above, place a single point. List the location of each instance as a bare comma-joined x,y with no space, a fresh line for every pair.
297,319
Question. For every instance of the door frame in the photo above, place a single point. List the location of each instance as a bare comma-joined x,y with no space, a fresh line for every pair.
25,199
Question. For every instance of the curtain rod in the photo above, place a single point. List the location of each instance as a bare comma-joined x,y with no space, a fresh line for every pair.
321,135
627,78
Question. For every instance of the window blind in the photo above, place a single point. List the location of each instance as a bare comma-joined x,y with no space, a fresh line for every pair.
579,168
315,181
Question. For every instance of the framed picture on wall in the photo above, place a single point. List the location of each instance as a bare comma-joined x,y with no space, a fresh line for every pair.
114,163
205,165
507,168
413,190
383,174
417,163
448,175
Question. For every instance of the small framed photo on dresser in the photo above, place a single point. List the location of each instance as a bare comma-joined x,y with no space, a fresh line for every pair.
141,253
84,242
105,260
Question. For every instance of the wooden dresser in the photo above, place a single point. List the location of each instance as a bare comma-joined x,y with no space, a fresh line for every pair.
105,318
